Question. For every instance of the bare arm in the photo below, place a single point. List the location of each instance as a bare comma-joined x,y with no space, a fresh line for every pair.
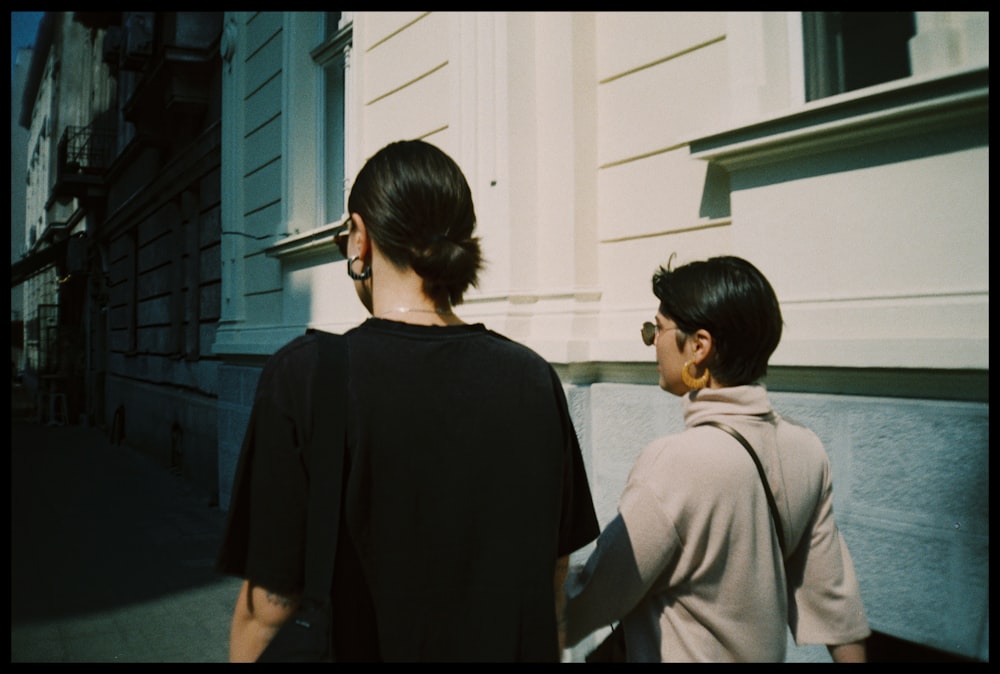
854,651
562,569
257,617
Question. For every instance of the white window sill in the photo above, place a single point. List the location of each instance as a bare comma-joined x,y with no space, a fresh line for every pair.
315,242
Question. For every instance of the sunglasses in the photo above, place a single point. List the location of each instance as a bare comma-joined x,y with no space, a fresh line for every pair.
340,238
649,331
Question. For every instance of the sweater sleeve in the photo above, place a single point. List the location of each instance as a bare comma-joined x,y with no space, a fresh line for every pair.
631,554
825,604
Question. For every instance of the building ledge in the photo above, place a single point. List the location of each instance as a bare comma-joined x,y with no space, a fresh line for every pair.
903,108
313,243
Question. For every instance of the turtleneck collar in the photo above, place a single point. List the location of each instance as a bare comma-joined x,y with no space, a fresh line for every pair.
748,400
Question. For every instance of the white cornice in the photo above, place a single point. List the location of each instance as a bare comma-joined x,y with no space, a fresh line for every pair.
907,109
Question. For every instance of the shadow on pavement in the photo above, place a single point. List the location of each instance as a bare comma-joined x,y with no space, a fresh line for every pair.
96,526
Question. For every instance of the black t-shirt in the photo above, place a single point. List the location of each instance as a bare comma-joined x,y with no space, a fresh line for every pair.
464,484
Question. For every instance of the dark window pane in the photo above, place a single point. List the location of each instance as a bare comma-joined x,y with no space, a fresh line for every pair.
845,51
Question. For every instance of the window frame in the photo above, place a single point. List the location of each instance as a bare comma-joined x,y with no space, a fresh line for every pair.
767,67
830,65
333,52
319,238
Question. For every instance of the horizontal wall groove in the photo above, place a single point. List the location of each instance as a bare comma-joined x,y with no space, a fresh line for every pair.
665,59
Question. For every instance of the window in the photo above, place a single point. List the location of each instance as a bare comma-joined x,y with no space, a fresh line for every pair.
845,51
333,56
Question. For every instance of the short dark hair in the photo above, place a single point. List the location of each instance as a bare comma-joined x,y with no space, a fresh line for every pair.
731,299
417,206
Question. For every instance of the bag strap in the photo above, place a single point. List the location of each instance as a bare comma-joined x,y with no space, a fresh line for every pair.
779,530
325,465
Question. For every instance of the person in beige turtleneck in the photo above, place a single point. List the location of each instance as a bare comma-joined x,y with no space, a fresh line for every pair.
693,568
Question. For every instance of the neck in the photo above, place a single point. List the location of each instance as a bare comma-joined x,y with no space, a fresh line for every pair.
397,294
420,315
416,310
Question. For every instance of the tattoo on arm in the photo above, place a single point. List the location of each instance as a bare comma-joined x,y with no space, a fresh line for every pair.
280,600
272,598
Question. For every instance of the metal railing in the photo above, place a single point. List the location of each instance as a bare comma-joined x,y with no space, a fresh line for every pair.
86,149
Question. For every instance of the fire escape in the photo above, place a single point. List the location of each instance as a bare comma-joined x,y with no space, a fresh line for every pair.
84,155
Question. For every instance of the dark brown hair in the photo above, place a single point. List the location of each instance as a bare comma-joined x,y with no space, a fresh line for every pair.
731,299
418,208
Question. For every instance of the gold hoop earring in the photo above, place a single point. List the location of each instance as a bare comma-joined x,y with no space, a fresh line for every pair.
690,381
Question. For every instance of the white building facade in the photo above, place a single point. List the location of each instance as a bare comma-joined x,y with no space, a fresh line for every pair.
65,88
18,172
598,144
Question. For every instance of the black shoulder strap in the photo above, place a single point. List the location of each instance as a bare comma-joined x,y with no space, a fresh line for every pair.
325,464
779,530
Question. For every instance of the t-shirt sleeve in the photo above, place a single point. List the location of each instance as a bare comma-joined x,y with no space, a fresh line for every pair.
264,539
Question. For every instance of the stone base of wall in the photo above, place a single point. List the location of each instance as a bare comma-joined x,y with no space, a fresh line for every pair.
176,428
237,385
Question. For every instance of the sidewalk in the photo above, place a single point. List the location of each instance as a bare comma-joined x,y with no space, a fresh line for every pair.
111,555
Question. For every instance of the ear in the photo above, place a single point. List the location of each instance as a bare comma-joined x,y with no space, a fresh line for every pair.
360,236
702,346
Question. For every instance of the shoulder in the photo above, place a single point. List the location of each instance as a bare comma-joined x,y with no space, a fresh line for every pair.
287,364
696,458
800,448
299,349
297,346
794,434
515,351
796,430
684,474
700,445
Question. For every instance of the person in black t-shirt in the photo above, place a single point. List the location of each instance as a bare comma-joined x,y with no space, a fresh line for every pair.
465,489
